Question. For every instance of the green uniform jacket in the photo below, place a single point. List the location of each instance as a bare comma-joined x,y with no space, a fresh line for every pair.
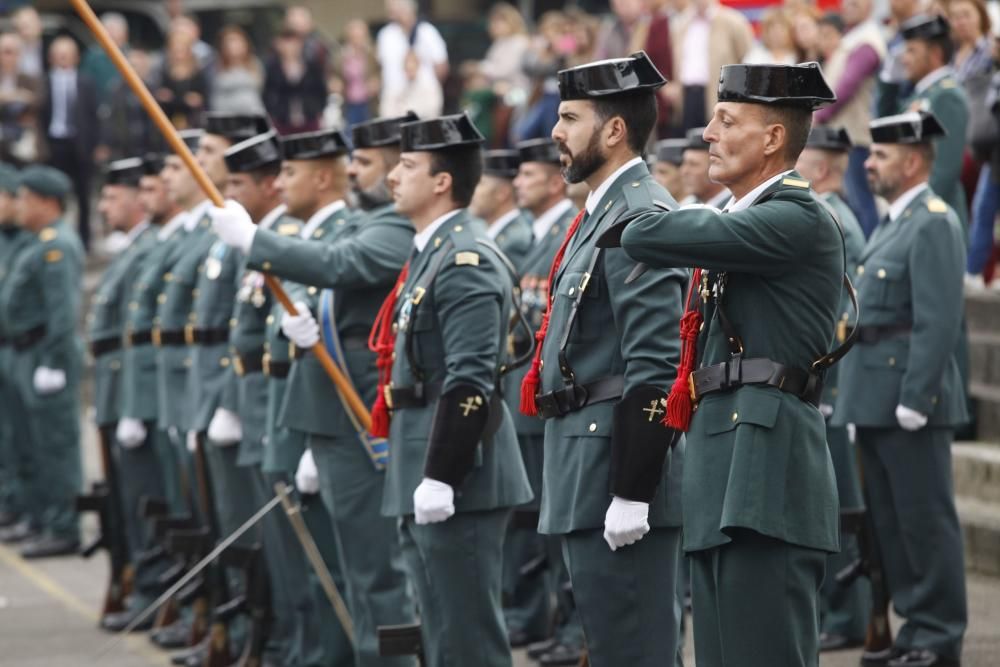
13,239
174,313
515,239
359,260
910,273
106,320
139,393
42,289
946,99
247,338
854,243
626,326
757,457
459,338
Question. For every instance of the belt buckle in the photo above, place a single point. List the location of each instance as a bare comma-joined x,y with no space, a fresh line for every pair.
157,337
387,395
238,365
265,363
189,333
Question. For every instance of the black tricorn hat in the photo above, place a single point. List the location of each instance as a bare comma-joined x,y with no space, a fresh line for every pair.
829,139
800,86
604,78
912,127
695,139
236,126
254,153
539,150
152,164
191,137
502,163
440,133
127,171
925,26
670,150
381,131
314,145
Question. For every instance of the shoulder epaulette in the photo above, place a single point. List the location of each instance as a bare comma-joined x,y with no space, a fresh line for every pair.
462,237
48,234
53,256
289,229
936,205
795,182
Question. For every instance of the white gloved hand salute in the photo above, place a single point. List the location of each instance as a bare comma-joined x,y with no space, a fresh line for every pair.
48,380
233,225
130,432
301,329
225,428
910,420
433,502
625,522
306,475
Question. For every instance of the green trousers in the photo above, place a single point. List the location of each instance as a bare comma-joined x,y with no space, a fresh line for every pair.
844,611
54,434
527,595
369,551
18,473
626,598
910,488
756,602
456,567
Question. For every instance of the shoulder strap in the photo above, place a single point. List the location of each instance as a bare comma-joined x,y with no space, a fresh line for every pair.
519,319
420,289
829,359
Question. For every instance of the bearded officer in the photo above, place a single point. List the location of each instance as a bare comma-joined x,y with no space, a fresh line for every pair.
541,192
769,283
694,173
40,303
496,203
902,389
843,613
607,355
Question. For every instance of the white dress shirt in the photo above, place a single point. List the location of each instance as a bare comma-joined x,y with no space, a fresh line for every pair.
897,207
594,198
494,230
421,239
747,199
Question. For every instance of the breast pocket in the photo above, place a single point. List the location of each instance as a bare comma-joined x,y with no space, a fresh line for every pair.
589,324
889,282
427,344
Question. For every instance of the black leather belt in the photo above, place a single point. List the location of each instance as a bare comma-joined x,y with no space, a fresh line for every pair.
275,369
738,372
348,343
25,340
134,338
162,338
416,396
104,346
874,333
194,336
575,397
247,364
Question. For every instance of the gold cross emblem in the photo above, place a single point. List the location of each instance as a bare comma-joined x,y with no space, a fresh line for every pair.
654,409
471,404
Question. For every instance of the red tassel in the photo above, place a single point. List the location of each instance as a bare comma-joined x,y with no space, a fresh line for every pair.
680,405
382,341
529,389
380,417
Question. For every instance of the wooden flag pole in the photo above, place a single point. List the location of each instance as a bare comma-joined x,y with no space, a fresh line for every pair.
177,144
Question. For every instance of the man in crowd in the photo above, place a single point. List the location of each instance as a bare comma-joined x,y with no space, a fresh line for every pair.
496,203
695,164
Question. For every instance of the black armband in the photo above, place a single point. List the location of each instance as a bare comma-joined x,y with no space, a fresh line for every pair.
639,443
458,425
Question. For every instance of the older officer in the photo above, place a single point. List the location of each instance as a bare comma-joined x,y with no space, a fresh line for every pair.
454,470
902,389
843,613
541,191
607,355
495,201
927,62
348,273
695,163
760,497
40,302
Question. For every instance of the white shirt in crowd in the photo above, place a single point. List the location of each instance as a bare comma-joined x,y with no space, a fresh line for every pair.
393,43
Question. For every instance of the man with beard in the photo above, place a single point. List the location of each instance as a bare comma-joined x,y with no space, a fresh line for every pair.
760,497
541,191
348,275
694,173
496,203
902,389
606,357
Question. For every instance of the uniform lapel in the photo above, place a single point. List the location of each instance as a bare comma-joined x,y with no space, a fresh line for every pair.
889,231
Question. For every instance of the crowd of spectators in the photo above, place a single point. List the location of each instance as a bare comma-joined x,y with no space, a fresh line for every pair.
74,110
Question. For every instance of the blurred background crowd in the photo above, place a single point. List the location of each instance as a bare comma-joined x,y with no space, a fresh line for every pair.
62,101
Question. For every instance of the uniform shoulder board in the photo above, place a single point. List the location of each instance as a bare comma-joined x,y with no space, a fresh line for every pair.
948,83
795,182
48,234
935,205
53,256
467,258
288,229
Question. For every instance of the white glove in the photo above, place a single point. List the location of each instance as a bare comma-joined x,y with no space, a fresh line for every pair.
626,522
433,501
910,420
301,329
130,432
225,429
192,441
233,225
49,380
306,475
826,410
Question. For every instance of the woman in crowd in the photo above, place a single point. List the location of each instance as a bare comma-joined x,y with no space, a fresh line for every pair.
239,77
358,72
295,90
184,87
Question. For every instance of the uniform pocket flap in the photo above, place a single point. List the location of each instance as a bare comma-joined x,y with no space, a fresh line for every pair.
572,282
747,405
886,269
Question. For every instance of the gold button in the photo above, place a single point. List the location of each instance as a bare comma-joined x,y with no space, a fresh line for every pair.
861,270
892,361
311,290
233,322
167,277
267,266
635,184
270,319
593,427
572,291
162,298
736,416
394,356
437,242
458,228
187,362
881,274
224,362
